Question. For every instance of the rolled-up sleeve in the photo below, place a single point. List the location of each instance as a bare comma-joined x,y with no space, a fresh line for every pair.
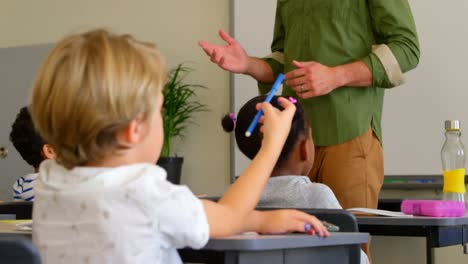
397,48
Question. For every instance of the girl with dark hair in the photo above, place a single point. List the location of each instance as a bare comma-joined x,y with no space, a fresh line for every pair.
288,185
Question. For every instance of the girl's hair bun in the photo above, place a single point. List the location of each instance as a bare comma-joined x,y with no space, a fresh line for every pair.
228,122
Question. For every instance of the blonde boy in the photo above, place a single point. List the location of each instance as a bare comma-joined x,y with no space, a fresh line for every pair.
97,101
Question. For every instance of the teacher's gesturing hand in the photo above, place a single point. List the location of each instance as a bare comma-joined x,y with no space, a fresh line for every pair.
231,57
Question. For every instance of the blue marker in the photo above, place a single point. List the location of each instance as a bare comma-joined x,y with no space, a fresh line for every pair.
270,95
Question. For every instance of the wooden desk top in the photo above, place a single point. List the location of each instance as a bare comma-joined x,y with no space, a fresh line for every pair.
9,227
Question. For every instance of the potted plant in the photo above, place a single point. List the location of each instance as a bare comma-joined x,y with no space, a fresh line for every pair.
179,107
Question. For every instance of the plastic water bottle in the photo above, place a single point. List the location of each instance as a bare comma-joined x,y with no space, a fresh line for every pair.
453,162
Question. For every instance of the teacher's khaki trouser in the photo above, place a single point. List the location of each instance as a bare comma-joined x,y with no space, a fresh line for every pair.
354,170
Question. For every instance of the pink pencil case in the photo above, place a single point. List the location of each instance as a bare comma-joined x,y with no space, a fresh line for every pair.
435,208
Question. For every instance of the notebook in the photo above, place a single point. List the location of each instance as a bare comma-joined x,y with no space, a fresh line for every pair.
378,212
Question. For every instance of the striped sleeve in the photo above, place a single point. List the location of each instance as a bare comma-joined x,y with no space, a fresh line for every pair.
23,190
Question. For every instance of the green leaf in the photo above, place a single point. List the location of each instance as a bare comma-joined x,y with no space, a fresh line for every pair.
179,107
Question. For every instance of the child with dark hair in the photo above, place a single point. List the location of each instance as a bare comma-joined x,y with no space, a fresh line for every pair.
32,149
288,185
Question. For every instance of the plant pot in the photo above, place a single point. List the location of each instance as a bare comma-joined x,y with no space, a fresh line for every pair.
173,167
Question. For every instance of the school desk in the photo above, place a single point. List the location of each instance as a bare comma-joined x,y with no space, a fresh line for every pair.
439,232
251,248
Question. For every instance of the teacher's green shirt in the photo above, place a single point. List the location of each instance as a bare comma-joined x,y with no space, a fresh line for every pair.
381,33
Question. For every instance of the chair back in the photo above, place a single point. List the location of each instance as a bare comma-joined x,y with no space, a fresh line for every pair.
342,218
345,220
22,210
16,249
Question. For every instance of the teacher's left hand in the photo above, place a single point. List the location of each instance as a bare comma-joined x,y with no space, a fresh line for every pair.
311,79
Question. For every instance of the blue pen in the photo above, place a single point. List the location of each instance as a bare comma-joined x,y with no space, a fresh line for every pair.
270,95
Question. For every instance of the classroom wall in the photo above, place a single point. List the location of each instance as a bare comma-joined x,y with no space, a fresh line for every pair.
176,26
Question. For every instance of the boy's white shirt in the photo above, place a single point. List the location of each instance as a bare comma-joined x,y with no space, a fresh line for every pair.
128,214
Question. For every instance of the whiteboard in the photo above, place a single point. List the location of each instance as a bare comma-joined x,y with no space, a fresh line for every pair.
414,113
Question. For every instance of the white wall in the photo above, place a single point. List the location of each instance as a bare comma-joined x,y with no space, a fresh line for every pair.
414,114
176,26
255,35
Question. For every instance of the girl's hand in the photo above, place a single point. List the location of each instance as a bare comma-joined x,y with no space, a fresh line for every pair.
288,220
276,124
231,57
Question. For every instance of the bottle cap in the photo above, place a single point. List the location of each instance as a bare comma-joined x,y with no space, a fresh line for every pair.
452,125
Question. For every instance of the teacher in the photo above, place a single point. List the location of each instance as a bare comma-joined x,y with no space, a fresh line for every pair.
339,56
